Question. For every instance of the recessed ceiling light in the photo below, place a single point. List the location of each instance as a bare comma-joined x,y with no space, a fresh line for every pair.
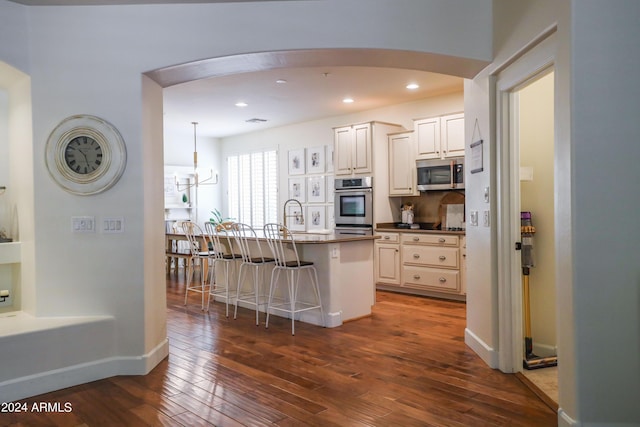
413,86
256,120
241,104
281,81
348,100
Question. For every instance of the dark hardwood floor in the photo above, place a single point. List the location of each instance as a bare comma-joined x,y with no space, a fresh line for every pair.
406,365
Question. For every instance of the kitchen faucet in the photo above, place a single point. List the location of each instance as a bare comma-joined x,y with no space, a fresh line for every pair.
299,217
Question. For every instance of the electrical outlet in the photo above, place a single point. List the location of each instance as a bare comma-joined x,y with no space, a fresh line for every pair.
83,224
335,253
486,219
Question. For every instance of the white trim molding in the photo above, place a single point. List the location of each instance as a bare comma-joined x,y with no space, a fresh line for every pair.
486,352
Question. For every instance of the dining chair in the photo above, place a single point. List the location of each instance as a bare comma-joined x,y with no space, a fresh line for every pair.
199,256
254,259
179,249
222,252
288,261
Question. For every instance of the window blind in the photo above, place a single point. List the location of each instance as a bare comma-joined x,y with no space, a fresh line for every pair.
253,188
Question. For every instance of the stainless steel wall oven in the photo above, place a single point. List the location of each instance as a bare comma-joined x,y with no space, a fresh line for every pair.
354,205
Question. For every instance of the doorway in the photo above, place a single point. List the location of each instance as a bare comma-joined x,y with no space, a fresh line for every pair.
533,124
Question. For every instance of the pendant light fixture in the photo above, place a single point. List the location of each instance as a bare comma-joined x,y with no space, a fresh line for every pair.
212,179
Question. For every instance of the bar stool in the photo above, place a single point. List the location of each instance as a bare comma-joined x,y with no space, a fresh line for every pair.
252,257
199,256
221,249
292,268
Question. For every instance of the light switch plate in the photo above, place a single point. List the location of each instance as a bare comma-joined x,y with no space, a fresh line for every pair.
486,218
83,224
113,224
486,194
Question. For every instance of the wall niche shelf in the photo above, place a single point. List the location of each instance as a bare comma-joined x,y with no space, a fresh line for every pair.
10,253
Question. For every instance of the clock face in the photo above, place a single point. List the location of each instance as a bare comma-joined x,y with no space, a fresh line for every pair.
83,155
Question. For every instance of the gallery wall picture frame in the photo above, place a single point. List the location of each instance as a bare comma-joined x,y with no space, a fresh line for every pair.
330,188
297,189
331,218
296,162
316,189
295,218
316,218
315,160
329,158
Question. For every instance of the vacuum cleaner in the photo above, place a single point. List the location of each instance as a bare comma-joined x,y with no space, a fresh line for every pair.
531,361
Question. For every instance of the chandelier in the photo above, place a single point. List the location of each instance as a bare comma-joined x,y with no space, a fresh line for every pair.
212,179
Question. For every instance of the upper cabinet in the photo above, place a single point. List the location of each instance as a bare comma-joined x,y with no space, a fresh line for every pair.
402,164
440,137
352,154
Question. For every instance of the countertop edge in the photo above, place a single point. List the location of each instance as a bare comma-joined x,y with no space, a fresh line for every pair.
393,229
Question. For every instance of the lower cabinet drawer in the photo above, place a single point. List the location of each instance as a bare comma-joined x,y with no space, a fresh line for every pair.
430,255
431,278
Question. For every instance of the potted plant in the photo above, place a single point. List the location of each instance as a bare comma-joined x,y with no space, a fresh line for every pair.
219,221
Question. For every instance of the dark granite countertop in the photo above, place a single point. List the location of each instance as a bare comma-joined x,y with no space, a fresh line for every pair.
425,227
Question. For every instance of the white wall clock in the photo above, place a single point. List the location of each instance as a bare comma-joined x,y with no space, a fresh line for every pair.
85,155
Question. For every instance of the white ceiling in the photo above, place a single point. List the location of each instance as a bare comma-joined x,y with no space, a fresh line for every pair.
309,93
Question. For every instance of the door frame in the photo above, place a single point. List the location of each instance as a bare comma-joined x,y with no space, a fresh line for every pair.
536,60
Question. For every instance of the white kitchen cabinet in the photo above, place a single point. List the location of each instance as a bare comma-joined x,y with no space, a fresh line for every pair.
452,135
362,149
402,164
440,137
352,153
387,259
431,262
427,138
428,263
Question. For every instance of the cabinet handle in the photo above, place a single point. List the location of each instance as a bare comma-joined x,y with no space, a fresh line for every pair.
416,256
416,276
442,240
442,257
442,280
416,239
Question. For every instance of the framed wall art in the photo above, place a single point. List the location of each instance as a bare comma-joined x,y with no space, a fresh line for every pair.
316,189
476,157
331,219
315,160
316,219
296,162
297,189
329,158
295,218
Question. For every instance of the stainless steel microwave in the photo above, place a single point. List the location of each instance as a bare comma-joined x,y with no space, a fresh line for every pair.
437,174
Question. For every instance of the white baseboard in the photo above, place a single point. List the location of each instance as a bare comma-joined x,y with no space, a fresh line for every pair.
486,352
544,350
44,382
565,420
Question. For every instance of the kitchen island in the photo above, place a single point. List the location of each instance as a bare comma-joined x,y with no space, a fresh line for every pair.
345,275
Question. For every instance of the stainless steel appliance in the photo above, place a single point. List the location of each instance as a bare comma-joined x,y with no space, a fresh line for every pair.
436,174
353,206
